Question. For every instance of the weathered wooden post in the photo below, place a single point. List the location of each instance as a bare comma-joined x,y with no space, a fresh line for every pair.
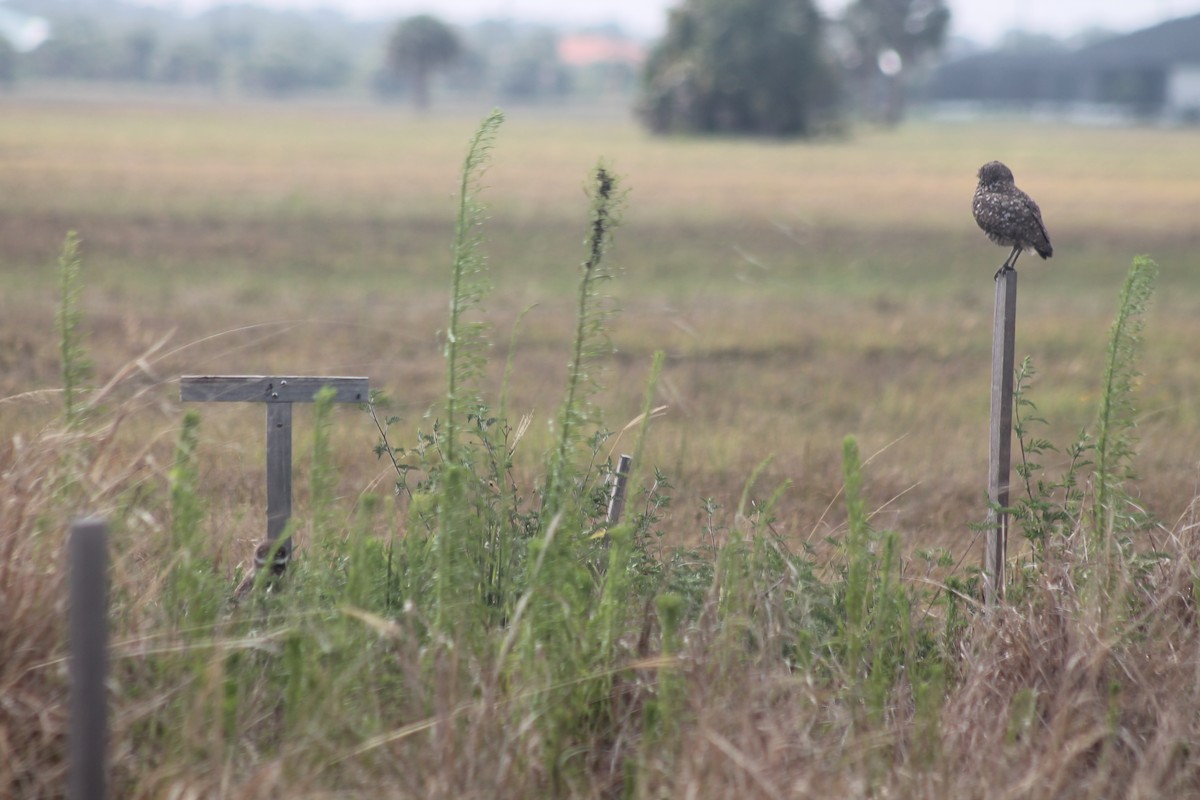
87,743
278,393
1004,336
616,500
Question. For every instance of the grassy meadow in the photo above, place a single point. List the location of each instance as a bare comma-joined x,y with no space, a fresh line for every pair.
799,293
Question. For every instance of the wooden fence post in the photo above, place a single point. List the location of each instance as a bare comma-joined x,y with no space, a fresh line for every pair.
616,500
1004,334
88,641
279,469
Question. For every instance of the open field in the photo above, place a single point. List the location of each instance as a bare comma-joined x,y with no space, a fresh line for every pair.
800,291
480,636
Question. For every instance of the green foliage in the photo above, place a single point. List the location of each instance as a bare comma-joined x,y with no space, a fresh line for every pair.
877,634
418,47
471,561
364,585
493,551
670,699
553,575
1056,507
742,67
322,480
76,367
466,339
858,554
187,509
193,592
1116,420
591,343
1051,505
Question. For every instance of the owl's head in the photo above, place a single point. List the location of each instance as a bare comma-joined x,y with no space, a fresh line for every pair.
283,554
995,172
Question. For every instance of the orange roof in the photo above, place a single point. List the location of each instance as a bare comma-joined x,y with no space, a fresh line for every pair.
585,49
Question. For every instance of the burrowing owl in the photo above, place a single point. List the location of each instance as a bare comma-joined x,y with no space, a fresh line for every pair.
1009,216
277,567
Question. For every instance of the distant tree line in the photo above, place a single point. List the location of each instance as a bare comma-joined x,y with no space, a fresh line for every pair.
502,60
230,46
763,67
249,49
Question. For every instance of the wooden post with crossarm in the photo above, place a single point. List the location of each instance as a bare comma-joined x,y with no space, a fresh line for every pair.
278,392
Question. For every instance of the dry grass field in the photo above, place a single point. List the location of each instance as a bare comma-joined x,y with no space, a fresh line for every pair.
800,292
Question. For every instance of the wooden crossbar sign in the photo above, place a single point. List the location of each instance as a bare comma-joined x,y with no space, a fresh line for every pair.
278,392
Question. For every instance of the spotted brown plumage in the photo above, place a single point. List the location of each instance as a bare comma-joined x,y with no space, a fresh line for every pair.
1008,216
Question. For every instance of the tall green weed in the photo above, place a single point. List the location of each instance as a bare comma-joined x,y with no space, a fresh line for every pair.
1055,507
75,365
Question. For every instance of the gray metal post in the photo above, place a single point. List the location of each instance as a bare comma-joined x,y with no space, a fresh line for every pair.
88,667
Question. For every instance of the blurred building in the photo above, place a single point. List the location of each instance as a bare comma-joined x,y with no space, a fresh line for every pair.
590,49
1152,73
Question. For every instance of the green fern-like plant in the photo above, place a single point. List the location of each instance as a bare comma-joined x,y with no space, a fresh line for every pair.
463,512
1051,504
562,588
76,366
1057,505
1115,421
591,342
466,339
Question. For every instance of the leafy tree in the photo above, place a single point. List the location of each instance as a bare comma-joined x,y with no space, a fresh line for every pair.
888,39
418,47
137,51
740,66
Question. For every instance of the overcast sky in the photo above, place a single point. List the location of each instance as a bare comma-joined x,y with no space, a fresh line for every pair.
982,20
